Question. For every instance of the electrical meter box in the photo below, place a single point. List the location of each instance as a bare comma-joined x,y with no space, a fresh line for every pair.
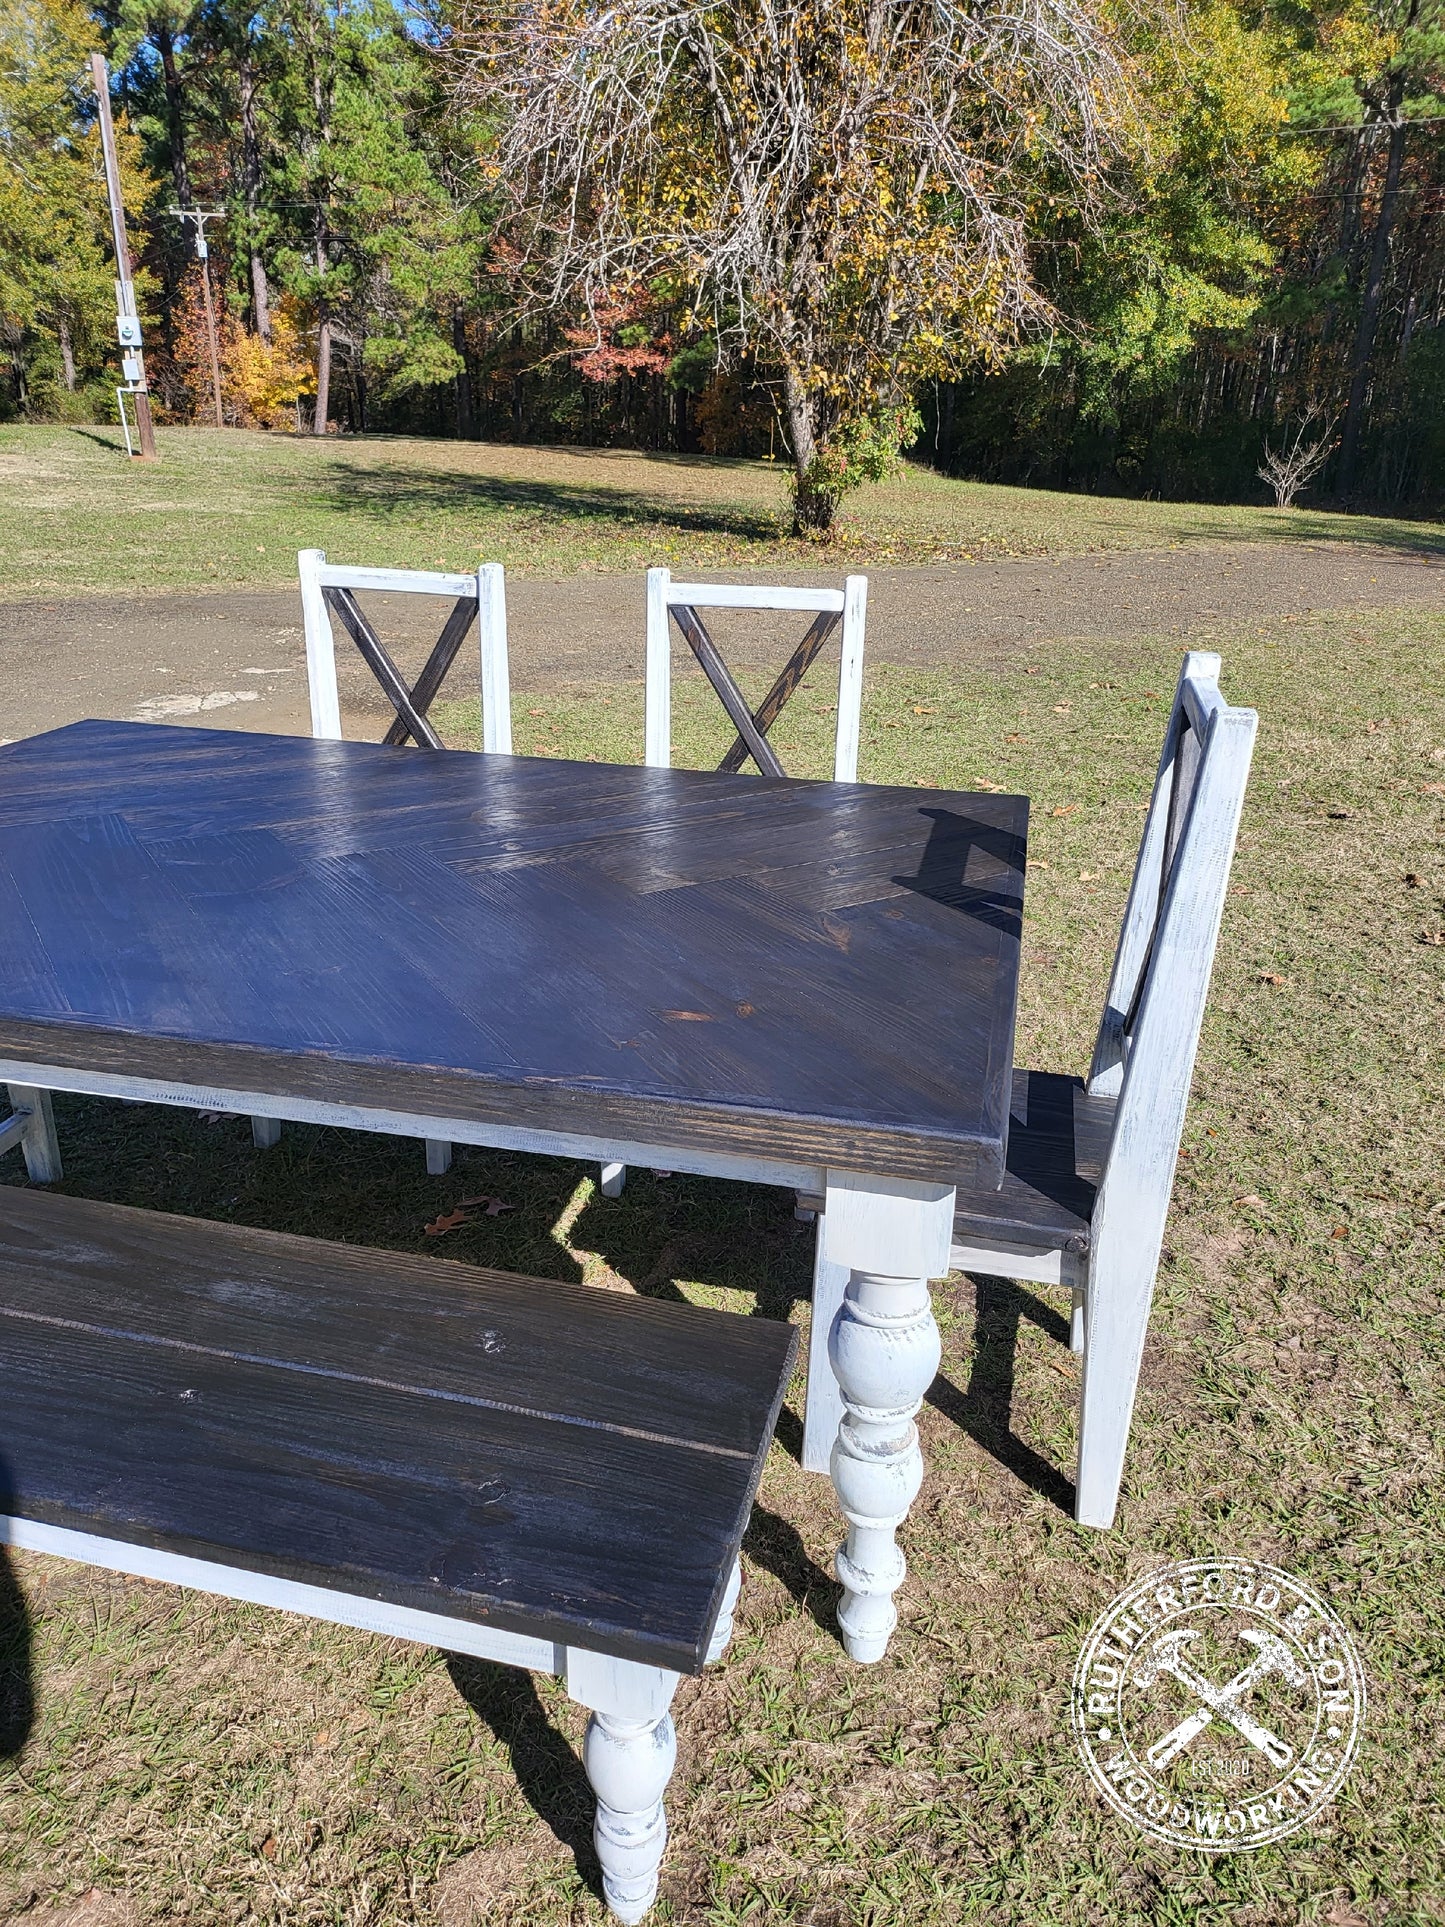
127,330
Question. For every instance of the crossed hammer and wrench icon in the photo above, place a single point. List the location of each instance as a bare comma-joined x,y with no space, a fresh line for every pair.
1166,1655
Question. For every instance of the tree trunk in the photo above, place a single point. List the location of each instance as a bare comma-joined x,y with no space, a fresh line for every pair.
465,425
323,374
1370,311
175,124
813,507
67,352
251,191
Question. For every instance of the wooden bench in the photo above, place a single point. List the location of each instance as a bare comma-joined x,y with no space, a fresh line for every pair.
530,1472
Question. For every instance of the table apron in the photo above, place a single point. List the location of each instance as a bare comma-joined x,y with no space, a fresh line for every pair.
353,1117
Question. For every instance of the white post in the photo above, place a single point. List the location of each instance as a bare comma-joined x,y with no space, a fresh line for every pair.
496,680
629,1753
39,1144
658,735
893,1235
320,647
850,680
265,1132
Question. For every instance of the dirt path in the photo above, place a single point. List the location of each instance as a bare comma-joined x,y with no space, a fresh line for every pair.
237,659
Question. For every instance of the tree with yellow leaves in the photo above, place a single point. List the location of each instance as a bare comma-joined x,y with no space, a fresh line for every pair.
844,189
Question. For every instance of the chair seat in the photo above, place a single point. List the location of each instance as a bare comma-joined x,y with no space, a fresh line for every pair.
572,1464
1057,1139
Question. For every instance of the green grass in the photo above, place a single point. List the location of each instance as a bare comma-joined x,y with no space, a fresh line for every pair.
226,509
217,1764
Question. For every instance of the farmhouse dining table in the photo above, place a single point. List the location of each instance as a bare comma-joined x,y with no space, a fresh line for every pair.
804,984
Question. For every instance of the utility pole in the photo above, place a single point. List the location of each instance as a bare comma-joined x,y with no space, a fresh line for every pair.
200,215
127,321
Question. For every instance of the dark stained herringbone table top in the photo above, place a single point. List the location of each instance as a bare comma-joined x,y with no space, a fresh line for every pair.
812,972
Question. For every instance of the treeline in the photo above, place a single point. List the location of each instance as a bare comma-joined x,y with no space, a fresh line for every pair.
1268,263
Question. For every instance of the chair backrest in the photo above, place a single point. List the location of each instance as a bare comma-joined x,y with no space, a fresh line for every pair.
832,608
1144,1055
328,590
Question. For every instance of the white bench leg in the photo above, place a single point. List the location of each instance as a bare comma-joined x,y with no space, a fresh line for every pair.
1076,1322
893,1235
629,1753
614,1176
823,1400
39,1144
265,1132
438,1157
723,1631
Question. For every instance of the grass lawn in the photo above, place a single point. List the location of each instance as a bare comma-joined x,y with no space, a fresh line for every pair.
213,1763
222,508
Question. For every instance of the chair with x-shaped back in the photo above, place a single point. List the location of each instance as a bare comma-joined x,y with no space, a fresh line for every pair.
328,590
1090,1162
679,602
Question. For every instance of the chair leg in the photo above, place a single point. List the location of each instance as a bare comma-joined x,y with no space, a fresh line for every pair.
39,1144
1116,1320
438,1157
265,1131
614,1176
823,1401
1076,1322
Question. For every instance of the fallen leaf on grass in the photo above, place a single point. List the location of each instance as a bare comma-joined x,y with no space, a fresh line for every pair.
1340,1231
1033,672
925,709
993,788
1432,789
465,1212
1435,938
1063,809
1253,1200
1038,863
1014,736
268,1847
1270,977
1088,876
1342,1914
1062,709
1412,879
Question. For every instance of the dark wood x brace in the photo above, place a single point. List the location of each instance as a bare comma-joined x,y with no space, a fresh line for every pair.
752,726
411,705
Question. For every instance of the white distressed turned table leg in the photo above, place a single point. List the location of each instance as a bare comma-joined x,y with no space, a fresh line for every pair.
723,1631
614,1177
893,1236
629,1753
39,1144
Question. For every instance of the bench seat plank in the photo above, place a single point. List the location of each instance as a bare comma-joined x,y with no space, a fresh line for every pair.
1056,1143
554,1461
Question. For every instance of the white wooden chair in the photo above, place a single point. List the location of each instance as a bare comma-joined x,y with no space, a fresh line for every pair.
327,590
679,602
1091,1163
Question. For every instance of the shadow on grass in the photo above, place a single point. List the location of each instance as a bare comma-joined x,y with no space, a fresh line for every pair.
406,492
776,1546
985,1409
551,1777
17,1684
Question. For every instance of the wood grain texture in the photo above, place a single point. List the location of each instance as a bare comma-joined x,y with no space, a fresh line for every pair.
813,972
567,1464
1057,1140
